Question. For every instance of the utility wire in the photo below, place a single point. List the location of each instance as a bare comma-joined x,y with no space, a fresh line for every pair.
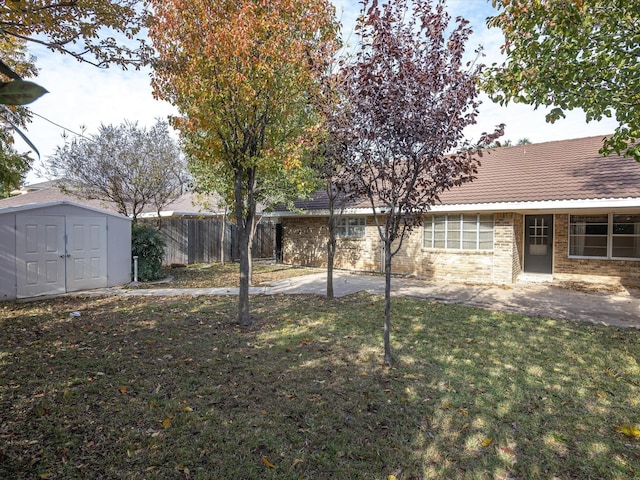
61,126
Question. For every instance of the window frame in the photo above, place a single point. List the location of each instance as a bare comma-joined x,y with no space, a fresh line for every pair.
459,222
345,230
610,236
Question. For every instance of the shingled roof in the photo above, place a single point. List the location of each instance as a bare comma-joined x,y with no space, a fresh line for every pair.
565,170
560,170
48,195
187,205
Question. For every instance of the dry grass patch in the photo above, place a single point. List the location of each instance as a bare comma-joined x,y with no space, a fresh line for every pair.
157,388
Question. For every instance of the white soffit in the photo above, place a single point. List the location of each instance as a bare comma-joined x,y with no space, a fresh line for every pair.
551,206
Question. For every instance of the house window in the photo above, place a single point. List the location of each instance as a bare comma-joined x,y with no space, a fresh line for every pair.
350,227
458,232
604,236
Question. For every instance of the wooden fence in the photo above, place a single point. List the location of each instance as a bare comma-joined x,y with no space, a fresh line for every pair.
198,240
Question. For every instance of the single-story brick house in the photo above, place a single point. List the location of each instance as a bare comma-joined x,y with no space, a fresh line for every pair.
556,210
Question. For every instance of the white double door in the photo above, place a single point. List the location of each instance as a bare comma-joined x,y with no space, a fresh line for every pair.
58,254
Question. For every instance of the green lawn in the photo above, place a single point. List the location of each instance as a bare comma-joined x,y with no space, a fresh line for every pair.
171,388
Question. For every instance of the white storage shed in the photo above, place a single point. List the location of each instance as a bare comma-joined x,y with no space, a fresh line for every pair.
61,246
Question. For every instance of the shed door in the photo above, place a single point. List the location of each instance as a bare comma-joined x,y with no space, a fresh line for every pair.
55,254
86,253
40,255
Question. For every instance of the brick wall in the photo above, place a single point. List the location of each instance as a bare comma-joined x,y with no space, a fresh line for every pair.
304,243
440,264
624,272
505,249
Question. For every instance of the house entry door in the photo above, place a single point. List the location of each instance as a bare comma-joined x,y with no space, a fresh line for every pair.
538,244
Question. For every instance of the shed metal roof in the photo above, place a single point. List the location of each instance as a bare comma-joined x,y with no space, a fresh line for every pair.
33,206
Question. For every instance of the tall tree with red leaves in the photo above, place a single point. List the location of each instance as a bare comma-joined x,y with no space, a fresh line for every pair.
409,94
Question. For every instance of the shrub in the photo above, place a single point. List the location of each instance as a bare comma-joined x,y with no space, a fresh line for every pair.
148,245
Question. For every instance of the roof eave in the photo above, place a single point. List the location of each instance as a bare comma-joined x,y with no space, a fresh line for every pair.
321,212
174,213
551,206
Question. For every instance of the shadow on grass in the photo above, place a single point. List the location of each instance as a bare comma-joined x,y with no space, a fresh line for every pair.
172,388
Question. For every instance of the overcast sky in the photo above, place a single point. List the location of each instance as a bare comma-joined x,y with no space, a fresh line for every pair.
82,95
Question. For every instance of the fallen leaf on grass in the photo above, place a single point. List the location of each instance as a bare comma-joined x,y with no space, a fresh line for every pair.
508,451
631,431
267,462
397,473
486,442
166,423
124,390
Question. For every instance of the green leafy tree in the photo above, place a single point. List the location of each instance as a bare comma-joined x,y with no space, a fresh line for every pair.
98,32
567,54
242,75
13,165
15,65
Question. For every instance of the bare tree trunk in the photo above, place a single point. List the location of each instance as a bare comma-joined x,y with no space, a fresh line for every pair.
331,252
388,359
245,225
252,234
331,247
244,318
250,260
